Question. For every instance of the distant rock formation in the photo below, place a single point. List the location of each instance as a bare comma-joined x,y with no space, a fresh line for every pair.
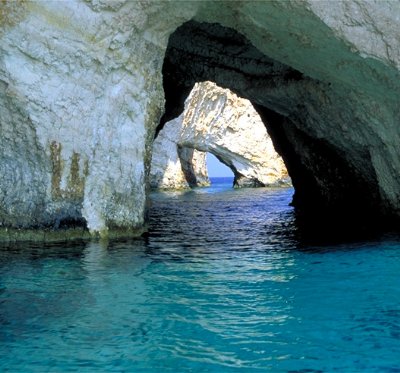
217,121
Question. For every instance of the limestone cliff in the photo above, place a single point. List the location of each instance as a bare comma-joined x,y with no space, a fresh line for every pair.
82,87
215,120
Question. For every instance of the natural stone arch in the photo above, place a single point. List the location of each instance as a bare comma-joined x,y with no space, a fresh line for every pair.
87,76
331,178
217,121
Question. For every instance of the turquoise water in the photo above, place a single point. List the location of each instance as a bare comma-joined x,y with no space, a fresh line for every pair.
220,284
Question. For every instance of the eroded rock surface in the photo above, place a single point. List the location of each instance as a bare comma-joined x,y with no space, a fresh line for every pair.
81,94
217,121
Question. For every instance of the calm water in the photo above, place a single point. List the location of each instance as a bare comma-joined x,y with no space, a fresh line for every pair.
220,284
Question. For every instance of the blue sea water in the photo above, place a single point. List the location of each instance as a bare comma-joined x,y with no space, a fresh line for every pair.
221,283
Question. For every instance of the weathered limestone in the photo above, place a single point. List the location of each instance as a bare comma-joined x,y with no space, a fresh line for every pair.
215,120
81,93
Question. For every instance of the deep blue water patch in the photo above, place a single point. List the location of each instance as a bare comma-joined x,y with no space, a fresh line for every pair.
220,284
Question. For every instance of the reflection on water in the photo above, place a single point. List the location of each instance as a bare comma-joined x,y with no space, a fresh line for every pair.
218,284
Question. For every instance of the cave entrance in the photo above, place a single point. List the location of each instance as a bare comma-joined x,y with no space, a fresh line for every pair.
297,111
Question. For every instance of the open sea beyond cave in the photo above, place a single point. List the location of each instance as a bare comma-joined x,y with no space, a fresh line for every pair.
219,284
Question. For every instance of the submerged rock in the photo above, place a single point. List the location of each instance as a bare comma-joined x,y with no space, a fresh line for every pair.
217,121
82,88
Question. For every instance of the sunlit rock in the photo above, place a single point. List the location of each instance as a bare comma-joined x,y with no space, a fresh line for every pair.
217,121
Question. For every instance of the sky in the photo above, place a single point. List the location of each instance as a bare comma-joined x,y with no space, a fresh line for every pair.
216,168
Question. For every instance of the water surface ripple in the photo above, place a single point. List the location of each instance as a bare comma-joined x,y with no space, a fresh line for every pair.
220,284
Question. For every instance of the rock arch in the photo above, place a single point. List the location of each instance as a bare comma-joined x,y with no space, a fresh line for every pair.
87,76
301,113
215,120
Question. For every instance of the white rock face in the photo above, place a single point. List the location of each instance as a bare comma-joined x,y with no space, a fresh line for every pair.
217,121
81,93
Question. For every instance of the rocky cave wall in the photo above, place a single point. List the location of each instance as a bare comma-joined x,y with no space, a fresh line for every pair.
217,121
81,95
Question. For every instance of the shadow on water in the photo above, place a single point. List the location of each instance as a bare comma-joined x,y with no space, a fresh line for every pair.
255,217
329,232
216,221
220,218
